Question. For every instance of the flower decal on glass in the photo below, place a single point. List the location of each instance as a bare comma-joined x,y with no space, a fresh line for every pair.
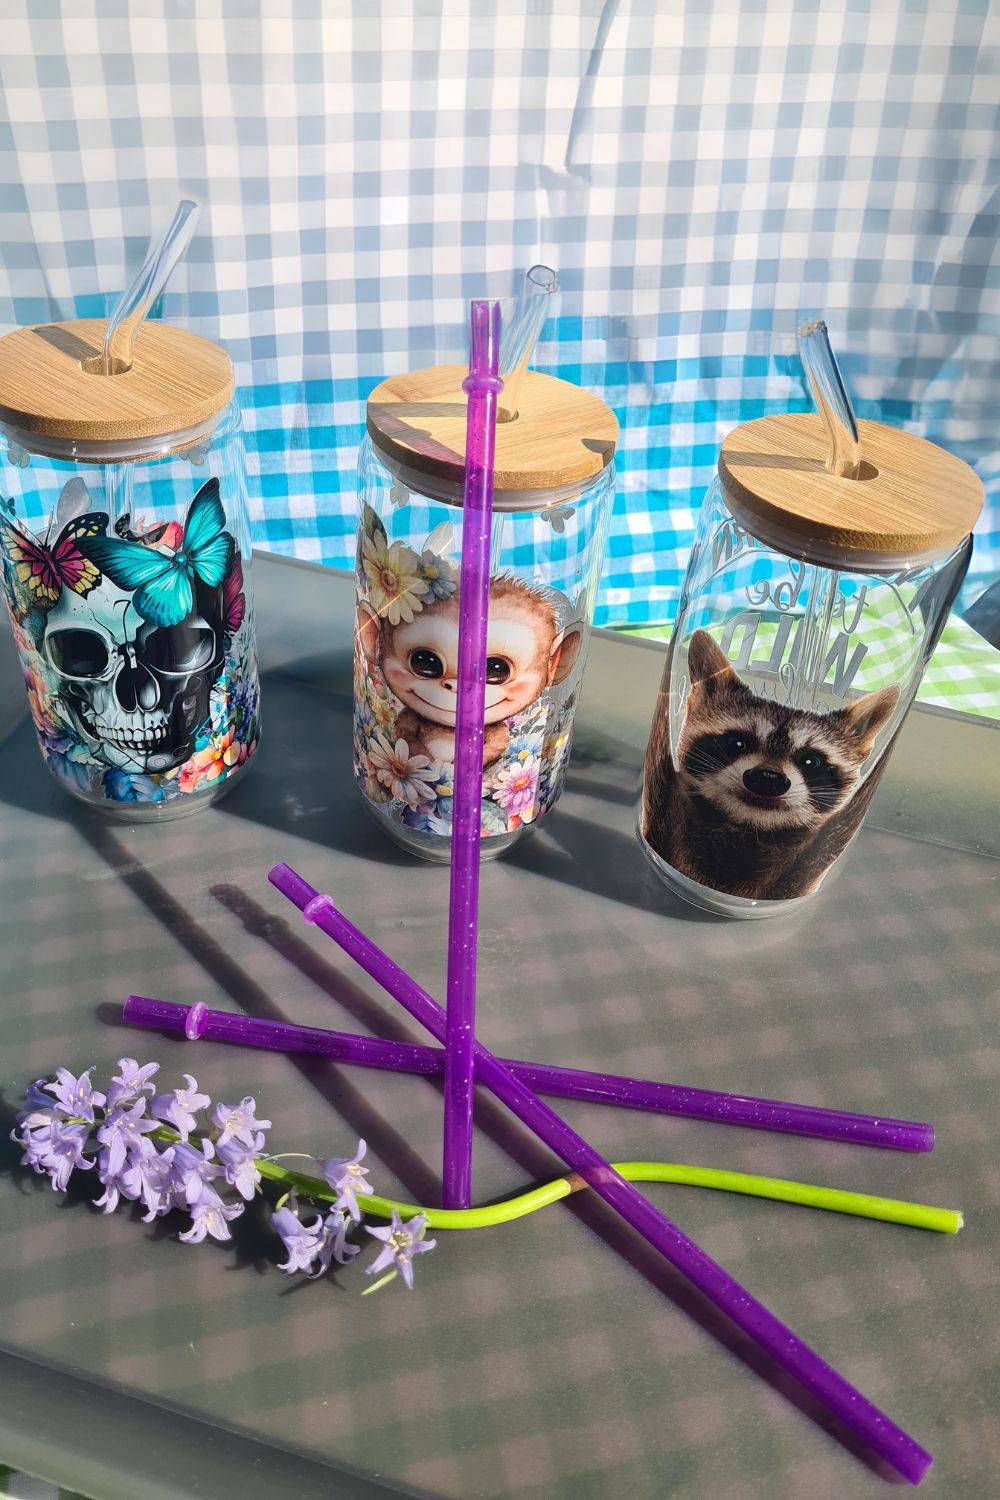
395,584
221,755
438,575
516,785
406,776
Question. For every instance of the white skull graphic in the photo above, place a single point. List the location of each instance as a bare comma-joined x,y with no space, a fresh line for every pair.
134,691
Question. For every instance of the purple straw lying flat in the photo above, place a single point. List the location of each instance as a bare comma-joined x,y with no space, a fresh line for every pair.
859,1415
565,1083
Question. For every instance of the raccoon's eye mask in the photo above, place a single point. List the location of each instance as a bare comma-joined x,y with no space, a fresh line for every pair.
713,752
737,742
810,760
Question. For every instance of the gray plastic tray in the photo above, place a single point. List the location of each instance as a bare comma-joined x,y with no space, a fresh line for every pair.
531,1360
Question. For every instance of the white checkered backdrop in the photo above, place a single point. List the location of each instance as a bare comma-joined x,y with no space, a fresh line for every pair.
701,173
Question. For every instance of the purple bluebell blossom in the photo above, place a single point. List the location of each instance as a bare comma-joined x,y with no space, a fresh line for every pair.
56,1149
66,1154
150,1177
123,1129
38,1100
239,1164
313,1247
179,1107
35,1146
302,1242
401,1242
61,1117
117,1185
39,1112
76,1096
193,1169
130,1081
334,1244
238,1121
211,1216
347,1178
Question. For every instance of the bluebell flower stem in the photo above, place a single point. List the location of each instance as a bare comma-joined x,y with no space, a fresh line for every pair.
807,1195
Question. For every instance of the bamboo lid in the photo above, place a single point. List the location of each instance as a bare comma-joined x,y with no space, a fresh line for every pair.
52,388
912,502
560,440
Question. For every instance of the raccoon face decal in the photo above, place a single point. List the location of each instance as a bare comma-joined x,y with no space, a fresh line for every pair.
761,765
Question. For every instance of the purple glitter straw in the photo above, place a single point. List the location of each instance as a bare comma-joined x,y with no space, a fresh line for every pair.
482,385
199,1023
859,1415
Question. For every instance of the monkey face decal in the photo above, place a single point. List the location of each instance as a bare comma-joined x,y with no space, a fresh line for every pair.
525,650
407,681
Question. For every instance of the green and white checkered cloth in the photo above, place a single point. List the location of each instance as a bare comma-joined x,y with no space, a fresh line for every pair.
963,674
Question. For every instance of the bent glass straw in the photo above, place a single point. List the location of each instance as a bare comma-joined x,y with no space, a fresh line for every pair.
198,1022
536,302
146,285
820,586
859,1415
829,392
482,385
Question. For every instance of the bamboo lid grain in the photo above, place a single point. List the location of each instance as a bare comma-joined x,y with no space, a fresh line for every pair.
54,395
560,440
913,502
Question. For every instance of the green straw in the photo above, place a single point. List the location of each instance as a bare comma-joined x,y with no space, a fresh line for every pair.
834,1200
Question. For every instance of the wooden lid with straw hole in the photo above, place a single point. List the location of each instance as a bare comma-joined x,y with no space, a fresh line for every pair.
52,383
562,435
912,500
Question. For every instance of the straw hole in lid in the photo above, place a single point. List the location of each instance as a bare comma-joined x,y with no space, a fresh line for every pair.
795,462
95,366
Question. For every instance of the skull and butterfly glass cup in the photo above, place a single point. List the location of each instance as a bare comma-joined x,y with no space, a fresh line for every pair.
552,493
818,585
125,548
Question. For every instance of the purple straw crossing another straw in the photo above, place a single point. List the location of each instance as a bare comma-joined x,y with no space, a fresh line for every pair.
482,385
198,1022
859,1415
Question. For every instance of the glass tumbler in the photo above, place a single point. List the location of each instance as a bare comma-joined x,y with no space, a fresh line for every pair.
811,605
125,549
553,490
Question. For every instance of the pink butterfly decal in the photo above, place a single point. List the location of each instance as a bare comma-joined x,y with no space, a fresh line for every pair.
234,602
43,571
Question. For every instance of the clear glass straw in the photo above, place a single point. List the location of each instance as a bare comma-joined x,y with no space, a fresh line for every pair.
829,392
520,335
145,286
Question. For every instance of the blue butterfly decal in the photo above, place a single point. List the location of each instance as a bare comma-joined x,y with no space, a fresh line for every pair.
163,582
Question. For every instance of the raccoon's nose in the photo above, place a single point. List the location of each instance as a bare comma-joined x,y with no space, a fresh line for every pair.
765,783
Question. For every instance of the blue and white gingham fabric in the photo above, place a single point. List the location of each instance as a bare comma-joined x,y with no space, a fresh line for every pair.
701,172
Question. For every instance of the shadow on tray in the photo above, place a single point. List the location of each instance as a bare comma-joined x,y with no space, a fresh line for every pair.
301,786
293,791
255,1246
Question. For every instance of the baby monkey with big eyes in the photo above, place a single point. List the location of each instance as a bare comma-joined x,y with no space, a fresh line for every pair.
526,652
